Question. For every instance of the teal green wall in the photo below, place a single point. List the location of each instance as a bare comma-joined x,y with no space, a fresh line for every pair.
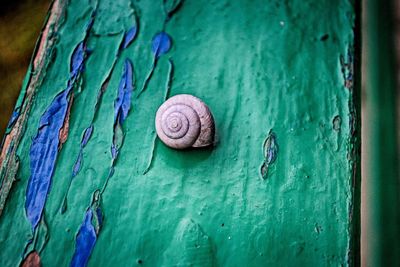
285,66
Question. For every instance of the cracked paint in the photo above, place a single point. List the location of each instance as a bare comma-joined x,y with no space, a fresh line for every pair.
128,37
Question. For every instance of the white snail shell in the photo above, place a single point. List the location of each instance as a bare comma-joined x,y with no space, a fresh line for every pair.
185,121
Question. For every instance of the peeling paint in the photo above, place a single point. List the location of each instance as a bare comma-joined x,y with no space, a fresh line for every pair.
52,132
161,44
45,145
90,229
63,135
264,221
88,232
128,37
270,151
122,105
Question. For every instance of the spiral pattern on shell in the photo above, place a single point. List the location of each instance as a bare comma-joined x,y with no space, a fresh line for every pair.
185,121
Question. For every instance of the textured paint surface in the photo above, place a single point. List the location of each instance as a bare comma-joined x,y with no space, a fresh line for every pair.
87,235
259,66
160,45
127,39
88,232
85,241
47,142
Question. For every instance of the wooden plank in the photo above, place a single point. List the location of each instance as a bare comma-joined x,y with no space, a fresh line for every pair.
281,80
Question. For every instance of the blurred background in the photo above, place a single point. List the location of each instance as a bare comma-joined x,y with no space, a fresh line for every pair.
20,25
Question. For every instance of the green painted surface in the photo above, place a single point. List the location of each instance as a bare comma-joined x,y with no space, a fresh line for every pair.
382,105
260,67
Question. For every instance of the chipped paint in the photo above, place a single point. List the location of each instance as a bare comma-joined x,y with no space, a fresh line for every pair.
161,42
88,232
128,37
336,123
122,105
63,134
87,235
270,151
46,144
347,67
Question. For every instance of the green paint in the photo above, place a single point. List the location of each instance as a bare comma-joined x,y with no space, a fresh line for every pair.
382,107
258,66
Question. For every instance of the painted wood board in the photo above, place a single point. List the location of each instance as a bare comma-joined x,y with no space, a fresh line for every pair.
280,185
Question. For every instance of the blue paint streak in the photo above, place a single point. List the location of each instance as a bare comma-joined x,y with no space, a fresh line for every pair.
114,151
123,102
88,232
272,149
13,119
86,135
44,148
85,241
77,165
43,154
161,44
129,36
77,60
85,139
122,105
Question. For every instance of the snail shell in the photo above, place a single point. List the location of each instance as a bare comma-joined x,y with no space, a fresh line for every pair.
185,121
